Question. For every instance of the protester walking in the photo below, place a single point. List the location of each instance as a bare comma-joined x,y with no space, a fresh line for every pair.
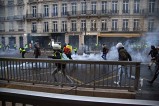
105,51
37,51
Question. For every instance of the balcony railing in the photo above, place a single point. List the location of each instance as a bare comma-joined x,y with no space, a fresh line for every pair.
46,30
20,30
2,18
93,29
73,29
46,15
64,13
114,29
11,30
54,30
2,3
34,30
136,29
83,29
126,11
31,1
54,14
125,29
19,17
34,16
20,2
104,29
2,30
64,30
10,3
10,18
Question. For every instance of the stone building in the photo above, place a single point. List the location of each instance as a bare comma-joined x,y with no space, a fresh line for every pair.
78,22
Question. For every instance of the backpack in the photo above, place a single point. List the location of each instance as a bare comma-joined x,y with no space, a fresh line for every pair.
124,55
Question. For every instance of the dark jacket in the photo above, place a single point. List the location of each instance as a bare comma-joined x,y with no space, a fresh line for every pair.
121,57
105,50
153,52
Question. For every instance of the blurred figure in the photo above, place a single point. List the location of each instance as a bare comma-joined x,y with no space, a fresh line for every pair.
37,51
123,56
156,70
75,50
105,51
22,51
68,50
15,46
153,52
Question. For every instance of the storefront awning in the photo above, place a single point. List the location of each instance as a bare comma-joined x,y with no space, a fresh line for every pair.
127,35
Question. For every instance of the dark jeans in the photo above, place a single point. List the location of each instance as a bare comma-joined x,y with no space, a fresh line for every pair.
104,56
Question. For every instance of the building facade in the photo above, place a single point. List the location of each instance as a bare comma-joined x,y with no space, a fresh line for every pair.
78,22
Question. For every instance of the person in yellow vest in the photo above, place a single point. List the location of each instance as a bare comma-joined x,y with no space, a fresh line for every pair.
22,51
75,50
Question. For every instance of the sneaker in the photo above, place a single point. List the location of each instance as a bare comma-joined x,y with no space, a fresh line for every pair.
117,83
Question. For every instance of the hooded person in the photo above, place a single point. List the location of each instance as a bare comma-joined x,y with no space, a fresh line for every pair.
153,52
123,55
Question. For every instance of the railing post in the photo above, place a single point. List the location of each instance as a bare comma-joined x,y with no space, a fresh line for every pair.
137,76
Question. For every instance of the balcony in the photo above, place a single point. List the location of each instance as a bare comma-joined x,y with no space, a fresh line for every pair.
46,30
10,18
114,29
34,16
104,29
10,3
54,30
19,17
126,11
114,12
2,3
93,29
63,14
73,29
46,15
136,29
11,30
20,2
20,30
64,30
125,29
54,14
32,1
34,30
2,18
83,29
2,30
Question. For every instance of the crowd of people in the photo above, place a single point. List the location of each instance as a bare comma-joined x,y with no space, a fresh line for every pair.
123,55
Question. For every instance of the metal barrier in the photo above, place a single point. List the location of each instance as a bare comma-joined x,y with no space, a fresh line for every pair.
77,73
14,97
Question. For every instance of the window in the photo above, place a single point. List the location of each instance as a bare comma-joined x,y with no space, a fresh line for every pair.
151,6
93,25
2,26
83,9
46,10
114,24
34,11
125,6
73,23
150,25
136,25
104,25
11,25
55,10
46,27
83,25
125,25
114,6
20,10
11,11
136,6
93,7
64,9
20,25
55,28
74,8
104,6
64,26
34,29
